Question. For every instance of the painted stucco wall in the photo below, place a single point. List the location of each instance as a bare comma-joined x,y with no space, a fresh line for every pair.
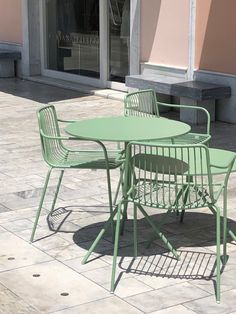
164,32
215,36
10,21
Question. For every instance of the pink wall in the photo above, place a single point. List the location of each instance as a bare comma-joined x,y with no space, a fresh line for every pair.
215,36
10,21
164,32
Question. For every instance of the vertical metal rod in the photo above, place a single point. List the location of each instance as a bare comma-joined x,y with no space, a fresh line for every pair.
57,190
40,205
116,245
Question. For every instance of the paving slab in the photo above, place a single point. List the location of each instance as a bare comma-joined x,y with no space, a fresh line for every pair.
209,305
53,286
16,253
154,282
112,305
11,303
166,297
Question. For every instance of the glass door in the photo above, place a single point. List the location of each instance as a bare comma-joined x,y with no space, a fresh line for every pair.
86,41
119,40
72,37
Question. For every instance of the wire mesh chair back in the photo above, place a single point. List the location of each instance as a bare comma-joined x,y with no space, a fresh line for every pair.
52,146
142,104
169,176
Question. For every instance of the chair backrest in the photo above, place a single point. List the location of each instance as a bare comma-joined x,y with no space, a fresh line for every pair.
141,103
169,176
48,126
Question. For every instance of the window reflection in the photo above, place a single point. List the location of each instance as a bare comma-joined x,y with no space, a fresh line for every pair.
73,36
119,39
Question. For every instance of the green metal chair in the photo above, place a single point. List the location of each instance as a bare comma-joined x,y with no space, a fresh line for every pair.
144,103
172,177
58,156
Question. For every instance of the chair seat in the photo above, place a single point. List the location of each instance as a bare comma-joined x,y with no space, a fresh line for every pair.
192,138
158,195
189,164
92,160
189,138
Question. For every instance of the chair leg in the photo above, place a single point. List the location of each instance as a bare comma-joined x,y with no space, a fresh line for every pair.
135,232
57,190
153,236
99,236
218,259
40,205
225,227
116,246
159,233
233,236
110,199
124,218
182,216
186,194
230,232
118,187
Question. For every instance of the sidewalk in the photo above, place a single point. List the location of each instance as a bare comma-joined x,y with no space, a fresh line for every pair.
47,276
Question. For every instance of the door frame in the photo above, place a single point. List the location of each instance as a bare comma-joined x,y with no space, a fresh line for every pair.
103,82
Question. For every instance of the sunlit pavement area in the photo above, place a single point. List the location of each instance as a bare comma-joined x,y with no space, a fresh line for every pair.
47,276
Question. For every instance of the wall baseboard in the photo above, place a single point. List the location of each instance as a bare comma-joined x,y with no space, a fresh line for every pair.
153,68
10,46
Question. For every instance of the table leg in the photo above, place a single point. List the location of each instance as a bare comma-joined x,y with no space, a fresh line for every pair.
125,188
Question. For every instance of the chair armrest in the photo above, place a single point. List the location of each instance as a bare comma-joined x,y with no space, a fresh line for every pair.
190,107
103,148
66,121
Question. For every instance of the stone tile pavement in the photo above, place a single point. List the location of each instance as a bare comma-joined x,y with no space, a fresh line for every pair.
47,276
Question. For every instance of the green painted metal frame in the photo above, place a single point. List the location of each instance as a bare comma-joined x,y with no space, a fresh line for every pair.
57,156
153,178
145,103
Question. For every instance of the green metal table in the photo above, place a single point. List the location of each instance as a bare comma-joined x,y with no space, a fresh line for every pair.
126,129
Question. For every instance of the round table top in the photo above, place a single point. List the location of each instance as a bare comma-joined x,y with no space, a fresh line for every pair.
126,129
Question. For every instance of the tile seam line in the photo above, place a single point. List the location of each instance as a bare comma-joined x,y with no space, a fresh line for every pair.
28,242
122,299
22,267
74,306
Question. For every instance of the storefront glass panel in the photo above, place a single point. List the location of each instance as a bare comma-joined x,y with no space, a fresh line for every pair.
72,37
119,39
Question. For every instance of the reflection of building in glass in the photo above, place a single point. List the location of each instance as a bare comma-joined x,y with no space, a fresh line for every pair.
76,28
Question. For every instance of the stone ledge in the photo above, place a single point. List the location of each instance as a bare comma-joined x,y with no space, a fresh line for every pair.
8,59
8,54
174,86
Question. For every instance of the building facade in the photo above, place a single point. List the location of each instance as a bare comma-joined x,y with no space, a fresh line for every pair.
99,42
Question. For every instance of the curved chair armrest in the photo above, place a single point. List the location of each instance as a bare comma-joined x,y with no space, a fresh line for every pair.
66,121
64,138
190,107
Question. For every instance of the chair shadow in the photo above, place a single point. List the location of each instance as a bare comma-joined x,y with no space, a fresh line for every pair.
194,245
194,240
